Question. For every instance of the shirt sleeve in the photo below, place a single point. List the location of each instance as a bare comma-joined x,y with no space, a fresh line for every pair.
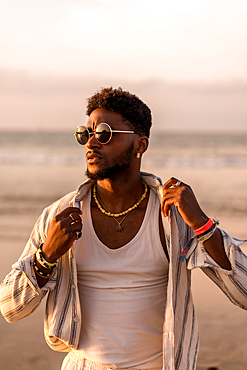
232,282
20,294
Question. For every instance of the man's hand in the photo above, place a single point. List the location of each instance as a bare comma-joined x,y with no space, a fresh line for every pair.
184,199
62,233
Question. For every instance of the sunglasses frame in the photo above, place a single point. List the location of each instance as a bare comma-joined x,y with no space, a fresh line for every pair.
111,131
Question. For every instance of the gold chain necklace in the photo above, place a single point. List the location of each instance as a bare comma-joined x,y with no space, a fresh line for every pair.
124,212
119,227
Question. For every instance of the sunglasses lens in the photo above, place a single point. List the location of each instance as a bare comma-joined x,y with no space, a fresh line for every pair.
103,133
82,135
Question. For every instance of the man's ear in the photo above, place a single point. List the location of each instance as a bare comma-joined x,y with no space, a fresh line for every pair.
142,144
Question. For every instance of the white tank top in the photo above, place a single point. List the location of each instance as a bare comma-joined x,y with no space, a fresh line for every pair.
122,294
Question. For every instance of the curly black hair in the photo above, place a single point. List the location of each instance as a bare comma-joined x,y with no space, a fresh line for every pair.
132,109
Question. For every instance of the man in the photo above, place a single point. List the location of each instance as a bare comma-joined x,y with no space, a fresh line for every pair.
115,257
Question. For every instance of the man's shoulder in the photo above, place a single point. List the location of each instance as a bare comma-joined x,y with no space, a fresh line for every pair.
153,181
151,178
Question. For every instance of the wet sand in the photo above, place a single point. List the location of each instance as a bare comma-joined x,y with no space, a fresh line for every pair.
25,191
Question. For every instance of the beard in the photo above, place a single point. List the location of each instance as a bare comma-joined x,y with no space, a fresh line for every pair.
122,162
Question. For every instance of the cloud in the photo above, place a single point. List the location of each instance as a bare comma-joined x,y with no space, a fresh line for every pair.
48,102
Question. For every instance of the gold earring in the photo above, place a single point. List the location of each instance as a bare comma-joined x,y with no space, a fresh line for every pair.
138,155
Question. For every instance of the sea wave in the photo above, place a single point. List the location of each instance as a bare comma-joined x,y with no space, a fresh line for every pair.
40,159
49,159
202,162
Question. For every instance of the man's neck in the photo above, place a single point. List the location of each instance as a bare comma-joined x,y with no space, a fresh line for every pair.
119,194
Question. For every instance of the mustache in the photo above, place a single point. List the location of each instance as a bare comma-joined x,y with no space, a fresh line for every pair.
93,152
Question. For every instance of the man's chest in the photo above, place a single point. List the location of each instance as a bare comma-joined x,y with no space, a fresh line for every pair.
116,232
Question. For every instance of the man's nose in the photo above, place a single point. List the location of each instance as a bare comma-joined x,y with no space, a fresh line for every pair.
92,141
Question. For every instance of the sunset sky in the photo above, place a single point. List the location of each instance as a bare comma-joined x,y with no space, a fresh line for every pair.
186,59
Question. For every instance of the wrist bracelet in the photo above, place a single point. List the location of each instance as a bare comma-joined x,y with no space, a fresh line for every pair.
204,228
42,261
39,272
201,237
207,235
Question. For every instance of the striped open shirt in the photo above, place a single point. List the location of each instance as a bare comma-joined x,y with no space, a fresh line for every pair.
20,294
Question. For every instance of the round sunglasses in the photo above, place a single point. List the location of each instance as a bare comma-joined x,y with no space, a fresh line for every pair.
103,133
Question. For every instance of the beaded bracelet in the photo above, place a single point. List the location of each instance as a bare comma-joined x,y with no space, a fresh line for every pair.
201,237
205,232
207,235
42,261
39,272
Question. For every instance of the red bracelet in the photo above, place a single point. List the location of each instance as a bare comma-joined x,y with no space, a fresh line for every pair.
205,227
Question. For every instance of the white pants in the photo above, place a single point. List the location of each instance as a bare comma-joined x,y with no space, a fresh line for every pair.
74,362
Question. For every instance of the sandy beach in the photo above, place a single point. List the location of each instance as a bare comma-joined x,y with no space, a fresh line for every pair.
26,190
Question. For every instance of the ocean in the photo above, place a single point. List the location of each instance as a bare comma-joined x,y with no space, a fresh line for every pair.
43,166
204,150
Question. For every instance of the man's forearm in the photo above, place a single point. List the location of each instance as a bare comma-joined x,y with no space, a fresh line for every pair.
215,247
42,280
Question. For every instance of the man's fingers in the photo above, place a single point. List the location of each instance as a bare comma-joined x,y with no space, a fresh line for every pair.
173,181
77,226
68,216
166,205
72,222
74,217
75,235
172,192
69,220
